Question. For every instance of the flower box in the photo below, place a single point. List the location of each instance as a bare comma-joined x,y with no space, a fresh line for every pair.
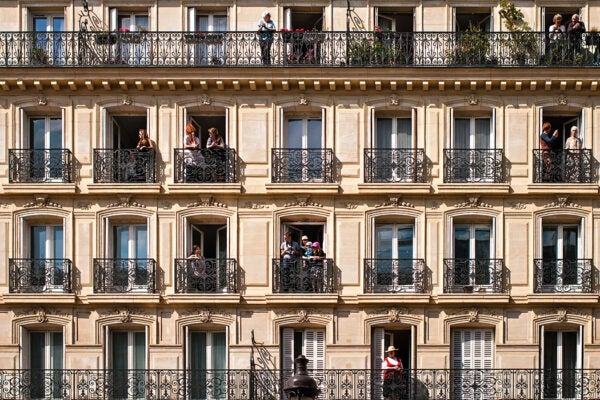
105,38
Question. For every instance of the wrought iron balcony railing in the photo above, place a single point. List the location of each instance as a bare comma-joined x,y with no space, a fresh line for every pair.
394,165
208,275
124,166
124,275
302,165
205,166
37,275
467,275
335,384
304,276
563,166
394,275
564,276
308,49
473,166
39,165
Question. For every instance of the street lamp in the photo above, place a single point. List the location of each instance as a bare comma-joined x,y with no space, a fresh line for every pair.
301,386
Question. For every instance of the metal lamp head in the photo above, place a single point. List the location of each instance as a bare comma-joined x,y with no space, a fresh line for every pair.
301,386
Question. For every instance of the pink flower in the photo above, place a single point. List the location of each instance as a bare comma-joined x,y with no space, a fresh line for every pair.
124,30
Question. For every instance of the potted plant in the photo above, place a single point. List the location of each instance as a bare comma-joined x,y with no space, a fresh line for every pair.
292,36
39,56
472,48
522,43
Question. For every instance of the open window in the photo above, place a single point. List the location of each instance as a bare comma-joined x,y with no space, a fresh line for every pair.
548,13
133,47
309,342
395,19
123,130
46,252
42,354
403,338
306,18
480,18
561,360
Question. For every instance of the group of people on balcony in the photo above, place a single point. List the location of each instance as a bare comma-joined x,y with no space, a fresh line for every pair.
204,165
135,163
302,266
559,165
558,35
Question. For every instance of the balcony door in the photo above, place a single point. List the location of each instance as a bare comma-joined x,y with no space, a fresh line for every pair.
43,356
46,141
308,342
47,254
133,48
395,145
210,49
304,139
562,362
128,364
472,252
130,251
472,139
561,249
207,358
404,341
49,45
395,253
472,349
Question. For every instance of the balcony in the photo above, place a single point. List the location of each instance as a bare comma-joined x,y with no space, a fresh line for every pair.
205,166
394,165
394,275
303,276
302,166
474,275
39,166
564,276
563,166
124,166
35,275
335,384
473,166
308,49
210,275
124,275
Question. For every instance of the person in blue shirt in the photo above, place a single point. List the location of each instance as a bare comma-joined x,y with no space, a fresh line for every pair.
266,27
551,154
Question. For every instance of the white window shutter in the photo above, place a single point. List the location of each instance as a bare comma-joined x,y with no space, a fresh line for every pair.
323,127
112,18
25,137
377,347
579,357
319,349
24,343
488,348
457,349
582,127
373,133
287,349
493,129
542,349
309,347
451,127
536,145
192,19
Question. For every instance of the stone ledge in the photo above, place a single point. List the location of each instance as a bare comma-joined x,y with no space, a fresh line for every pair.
405,188
472,299
120,298
39,298
292,188
203,298
395,298
120,188
300,299
27,188
570,188
479,188
563,298
195,188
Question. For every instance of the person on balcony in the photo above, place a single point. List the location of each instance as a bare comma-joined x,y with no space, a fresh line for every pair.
316,257
266,27
196,272
392,375
290,251
556,38
549,145
192,156
216,148
144,143
575,29
573,157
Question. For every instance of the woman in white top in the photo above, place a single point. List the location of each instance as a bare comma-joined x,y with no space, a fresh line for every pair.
573,142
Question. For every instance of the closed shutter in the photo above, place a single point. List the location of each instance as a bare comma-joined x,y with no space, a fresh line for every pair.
287,349
472,348
314,348
377,347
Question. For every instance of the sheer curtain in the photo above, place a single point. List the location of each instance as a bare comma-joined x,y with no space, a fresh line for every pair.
404,133
462,133
482,133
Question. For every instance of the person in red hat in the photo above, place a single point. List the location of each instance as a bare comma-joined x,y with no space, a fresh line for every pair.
392,374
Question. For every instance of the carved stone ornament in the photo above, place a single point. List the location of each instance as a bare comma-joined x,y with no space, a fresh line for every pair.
42,100
41,200
473,314
472,100
41,314
562,202
84,205
124,314
205,315
302,202
207,202
562,100
303,100
303,314
125,201
205,100
561,314
126,100
255,206
394,100
395,201
393,314
518,205
472,202
350,205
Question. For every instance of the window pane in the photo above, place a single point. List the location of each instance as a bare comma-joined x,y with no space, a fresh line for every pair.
121,249
549,243
220,23
139,350
405,242
40,24
198,350
404,133
57,350
314,133
294,138
119,350
38,242
38,133
58,24
37,350
55,133
202,24
462,132
461,241
384,133
482,133
58,242
384,236
141,23
570,243
141,242
482,243
219,355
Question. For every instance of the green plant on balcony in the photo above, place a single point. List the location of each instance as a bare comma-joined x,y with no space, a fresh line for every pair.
523,44
472,48
376,50
39,55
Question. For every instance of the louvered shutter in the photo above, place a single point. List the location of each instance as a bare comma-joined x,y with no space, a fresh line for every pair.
287,349
377,348
488,349
314,348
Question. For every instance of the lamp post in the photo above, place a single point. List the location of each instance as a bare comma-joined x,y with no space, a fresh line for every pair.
301,386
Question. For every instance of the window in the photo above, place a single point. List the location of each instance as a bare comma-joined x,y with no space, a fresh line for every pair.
43,356
394,157
122,132
127,360
130,251
207,47
548,14
47,254
472,255
394,19
473,133
309,342
49,45
207,362
214,272
395,257
472,349
304,140
561,253
404,341
561,361
45,141
133,48
309,19
467,17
